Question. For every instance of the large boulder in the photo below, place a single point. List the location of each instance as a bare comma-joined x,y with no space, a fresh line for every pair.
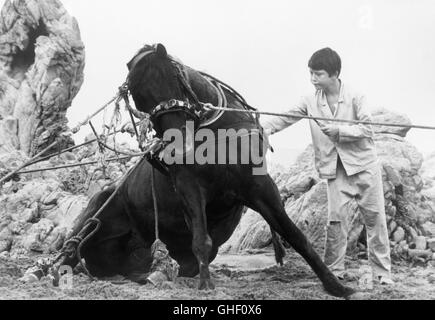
428,174
382,115
31,212
41,70
409,212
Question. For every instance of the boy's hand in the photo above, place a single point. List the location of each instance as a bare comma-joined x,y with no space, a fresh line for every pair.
331,131
268,131
266,134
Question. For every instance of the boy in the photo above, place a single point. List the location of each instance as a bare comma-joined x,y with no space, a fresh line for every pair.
345,155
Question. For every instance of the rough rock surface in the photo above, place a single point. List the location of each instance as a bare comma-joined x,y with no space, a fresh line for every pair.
409,212
39,210
385,116
428,174
41,71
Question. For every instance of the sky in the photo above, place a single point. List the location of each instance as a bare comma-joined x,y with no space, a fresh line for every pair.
261,48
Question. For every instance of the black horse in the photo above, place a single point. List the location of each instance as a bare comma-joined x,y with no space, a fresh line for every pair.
199,205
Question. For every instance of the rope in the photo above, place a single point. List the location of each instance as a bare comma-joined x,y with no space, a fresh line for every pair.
97,137
34,159
129,154
153,147
74,147
134,127
86,121
83,242
10,175
323,119
81,164
156,209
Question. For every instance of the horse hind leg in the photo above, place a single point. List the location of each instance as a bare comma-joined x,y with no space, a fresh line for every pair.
278,248
263,197
115,248
93,206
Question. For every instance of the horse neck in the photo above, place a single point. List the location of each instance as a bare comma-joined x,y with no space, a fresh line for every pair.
203,89
207,93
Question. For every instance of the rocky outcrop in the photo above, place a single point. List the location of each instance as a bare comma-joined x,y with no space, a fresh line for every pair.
38,210
409,212
41,71
428,174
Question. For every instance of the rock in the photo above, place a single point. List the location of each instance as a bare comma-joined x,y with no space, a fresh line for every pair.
157,278
429,229
55,240
37,216
431,244
392,226
403,159
95,187
5,245
384,115
412,234
69,210
29,214
35,236
251,233
69,156
415,253
113,172
52,198
392,175
420,243
29,278
428,167
399,235
42,61
427,173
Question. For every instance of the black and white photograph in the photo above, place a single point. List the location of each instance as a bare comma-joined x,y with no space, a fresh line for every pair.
230,152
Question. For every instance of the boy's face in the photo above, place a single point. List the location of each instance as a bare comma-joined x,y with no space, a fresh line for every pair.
321,79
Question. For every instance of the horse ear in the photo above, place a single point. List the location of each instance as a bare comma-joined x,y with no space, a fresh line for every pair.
161,51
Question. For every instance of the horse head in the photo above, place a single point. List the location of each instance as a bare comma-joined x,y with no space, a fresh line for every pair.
157,86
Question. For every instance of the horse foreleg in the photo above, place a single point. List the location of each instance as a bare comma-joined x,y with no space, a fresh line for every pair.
263,197
194,200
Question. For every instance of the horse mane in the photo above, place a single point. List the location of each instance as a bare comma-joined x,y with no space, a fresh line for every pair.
200,85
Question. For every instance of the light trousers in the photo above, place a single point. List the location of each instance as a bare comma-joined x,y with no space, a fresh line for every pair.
363,191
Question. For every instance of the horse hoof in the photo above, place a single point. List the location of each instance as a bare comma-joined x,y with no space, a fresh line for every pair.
341,291
206,285
349,292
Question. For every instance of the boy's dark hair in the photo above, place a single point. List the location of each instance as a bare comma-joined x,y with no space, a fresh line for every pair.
326,59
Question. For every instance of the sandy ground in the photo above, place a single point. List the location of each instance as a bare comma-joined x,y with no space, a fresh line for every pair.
245,277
